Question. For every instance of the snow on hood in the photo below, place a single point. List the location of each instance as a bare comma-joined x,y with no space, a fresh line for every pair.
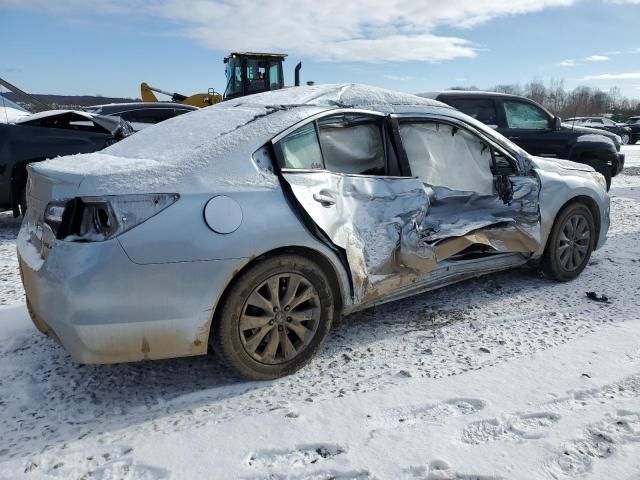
213,145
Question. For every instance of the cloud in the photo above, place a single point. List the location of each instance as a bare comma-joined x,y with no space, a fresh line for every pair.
614,76
568,63
331,30
597,58
399,78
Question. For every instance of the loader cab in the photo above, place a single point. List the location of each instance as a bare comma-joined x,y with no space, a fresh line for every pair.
249,73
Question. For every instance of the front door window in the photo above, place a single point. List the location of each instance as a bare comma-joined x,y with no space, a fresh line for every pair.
526,116
444,155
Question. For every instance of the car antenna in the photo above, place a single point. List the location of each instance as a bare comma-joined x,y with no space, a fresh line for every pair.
575,113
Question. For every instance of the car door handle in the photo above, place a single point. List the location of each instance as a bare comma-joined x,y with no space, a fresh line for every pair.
324,199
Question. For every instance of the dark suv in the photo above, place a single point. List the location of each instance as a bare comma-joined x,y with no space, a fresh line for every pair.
537,131
634,125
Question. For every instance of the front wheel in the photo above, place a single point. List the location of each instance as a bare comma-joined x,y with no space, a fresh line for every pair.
605,172
625,139
275,318
570,243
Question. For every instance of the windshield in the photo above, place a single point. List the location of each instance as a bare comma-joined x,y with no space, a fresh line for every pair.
234,78
5,102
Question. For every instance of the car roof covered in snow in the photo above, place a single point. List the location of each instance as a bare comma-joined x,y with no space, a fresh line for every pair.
214,144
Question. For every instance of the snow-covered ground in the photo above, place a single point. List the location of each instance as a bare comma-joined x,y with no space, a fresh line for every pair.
508,376
632,155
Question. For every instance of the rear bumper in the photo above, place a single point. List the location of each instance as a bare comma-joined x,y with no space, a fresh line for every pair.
103,308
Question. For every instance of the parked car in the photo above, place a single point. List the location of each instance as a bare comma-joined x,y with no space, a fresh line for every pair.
142,114
603,123
249,226
36,137
538,131
634,125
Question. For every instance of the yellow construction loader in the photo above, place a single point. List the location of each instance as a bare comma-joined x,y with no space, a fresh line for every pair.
246,72
201,100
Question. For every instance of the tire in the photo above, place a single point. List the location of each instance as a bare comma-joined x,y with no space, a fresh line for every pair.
265,336
606,173
570,243
625,139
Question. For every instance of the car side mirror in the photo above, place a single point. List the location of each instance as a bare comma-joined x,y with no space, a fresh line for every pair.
557,123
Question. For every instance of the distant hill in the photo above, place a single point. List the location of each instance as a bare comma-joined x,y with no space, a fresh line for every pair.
69,101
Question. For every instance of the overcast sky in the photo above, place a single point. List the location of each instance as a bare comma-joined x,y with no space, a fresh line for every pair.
108,47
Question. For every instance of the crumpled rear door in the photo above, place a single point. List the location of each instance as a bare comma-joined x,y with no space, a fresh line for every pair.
372,219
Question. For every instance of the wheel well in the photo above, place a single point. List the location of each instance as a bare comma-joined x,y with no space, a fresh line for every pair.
591,204
594,158
334,278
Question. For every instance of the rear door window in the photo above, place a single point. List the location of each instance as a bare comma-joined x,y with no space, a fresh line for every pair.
344,143
352,144
483,110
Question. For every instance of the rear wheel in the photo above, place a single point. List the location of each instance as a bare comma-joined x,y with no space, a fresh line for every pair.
275,318
570,243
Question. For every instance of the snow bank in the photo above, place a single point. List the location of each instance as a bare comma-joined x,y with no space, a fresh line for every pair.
13,320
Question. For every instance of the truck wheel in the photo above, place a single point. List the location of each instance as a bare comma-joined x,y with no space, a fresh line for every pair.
274,318
570,243
606,173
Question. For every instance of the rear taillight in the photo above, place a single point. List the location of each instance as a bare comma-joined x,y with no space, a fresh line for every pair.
53,215
96,219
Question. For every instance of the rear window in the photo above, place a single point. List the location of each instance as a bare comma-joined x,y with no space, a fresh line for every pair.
482,110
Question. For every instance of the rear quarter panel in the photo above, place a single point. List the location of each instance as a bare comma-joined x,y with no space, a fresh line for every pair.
180,233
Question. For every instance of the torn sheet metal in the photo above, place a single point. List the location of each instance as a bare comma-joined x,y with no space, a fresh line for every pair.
395,231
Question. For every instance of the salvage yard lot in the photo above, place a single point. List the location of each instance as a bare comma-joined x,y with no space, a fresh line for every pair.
509,376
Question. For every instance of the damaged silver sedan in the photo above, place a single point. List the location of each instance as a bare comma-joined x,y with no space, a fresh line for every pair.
247,227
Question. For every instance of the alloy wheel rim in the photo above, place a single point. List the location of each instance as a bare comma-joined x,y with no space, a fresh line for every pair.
573,242
625,139
280,318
